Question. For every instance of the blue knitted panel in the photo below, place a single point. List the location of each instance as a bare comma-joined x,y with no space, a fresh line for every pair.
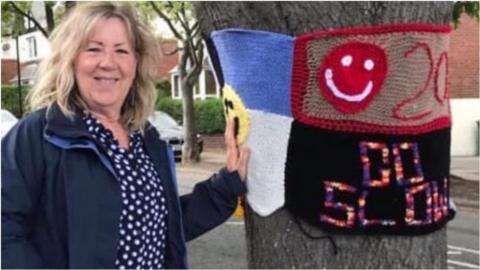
258,65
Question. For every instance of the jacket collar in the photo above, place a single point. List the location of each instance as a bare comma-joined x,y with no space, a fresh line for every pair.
60,125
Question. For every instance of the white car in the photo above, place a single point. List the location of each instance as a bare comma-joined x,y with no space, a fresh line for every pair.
171,132
7,121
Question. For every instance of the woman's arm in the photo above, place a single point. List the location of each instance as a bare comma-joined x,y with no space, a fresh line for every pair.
213,201
22,166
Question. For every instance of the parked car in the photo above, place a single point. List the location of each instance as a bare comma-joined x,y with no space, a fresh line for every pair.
7,121
171,132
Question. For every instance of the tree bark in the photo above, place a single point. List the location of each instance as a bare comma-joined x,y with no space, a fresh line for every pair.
190,151
50,16
276,241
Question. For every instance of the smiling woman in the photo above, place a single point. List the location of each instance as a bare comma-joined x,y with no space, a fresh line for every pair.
75,42
105,67
104,71
86,180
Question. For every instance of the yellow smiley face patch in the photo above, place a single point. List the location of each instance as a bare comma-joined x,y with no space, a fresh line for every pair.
234,109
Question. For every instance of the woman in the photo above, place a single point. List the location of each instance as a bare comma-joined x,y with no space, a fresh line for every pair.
86,181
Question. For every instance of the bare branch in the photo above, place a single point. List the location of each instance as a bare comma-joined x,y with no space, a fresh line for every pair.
183,20
172,52
195,29
167,20
198,44
24,14
183,61
191,49
197,66
184,15
170,5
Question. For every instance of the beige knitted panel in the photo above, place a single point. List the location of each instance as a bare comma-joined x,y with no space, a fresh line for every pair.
406,76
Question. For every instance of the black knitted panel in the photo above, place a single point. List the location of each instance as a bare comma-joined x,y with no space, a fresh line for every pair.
368,183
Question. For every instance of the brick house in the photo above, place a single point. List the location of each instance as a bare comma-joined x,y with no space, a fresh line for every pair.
463,59
166,62
9,70
463,77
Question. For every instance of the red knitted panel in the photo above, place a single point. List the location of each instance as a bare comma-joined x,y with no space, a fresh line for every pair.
384,79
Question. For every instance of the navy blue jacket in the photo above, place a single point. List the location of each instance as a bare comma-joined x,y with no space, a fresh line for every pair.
61,202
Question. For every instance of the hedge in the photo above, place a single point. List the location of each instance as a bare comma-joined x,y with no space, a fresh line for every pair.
209,116
163,89
208,113
10,99
171,106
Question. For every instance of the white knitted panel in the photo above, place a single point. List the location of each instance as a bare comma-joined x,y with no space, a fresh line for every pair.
268,141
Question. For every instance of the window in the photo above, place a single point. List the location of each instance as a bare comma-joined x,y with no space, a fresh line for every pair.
176,86
210,86
29,24
196,89
32,47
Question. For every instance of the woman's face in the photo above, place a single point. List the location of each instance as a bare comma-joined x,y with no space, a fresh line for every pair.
105,67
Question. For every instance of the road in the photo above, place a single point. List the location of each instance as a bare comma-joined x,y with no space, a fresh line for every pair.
462,239
224,247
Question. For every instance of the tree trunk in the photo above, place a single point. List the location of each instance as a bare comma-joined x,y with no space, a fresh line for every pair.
276,241
190,150
50,16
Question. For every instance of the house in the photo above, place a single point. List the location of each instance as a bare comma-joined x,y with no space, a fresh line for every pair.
205,88
168,70
32,47
463,75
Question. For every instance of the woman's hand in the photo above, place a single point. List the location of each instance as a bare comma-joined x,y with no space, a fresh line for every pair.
237,157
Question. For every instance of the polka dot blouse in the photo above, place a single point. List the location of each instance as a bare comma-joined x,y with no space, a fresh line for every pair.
142,226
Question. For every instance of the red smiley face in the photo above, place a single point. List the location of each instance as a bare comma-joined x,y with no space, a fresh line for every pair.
351,75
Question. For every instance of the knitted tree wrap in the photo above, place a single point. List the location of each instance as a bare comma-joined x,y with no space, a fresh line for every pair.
258,66
412,98
367,149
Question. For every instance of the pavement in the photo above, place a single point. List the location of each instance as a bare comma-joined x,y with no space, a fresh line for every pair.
465,167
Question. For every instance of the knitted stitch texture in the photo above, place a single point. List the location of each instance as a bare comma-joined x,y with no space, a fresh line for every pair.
367,182
369,141
258,65
268,141
405,102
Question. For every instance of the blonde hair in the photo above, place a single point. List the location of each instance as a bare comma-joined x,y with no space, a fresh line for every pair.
56,74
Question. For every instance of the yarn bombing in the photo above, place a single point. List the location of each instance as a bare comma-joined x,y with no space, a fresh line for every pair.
349,128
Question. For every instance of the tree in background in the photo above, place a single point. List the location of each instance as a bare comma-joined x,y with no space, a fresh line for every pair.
471,8
186,30
15,13
277,241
